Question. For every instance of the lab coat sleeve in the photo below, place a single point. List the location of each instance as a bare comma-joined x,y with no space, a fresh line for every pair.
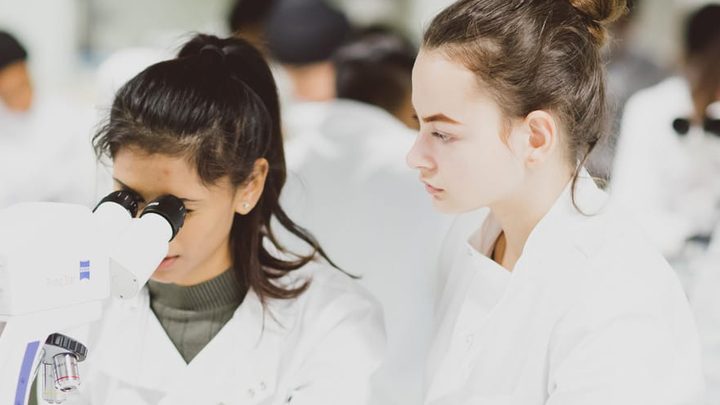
348,350
635,348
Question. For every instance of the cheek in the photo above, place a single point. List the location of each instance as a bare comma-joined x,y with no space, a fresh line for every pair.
483,174
201,233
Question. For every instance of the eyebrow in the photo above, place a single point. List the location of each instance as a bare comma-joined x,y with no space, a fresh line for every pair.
126,187
440,118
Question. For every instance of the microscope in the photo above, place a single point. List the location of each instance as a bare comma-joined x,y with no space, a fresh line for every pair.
58,264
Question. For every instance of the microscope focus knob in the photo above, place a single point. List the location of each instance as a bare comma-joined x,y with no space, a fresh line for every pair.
67,344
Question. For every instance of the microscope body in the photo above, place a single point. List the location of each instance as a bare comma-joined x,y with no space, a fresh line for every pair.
58,263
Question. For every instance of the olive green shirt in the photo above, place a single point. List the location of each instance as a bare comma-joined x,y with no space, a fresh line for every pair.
193,315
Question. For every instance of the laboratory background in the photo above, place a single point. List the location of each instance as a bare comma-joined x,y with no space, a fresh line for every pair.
80,52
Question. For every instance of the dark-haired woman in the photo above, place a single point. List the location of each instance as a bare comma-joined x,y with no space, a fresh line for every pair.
229,317
550,298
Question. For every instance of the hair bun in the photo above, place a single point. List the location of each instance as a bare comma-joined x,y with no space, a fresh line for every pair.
213,51
600,13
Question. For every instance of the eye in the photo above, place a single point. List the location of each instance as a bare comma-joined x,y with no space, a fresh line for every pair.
441,137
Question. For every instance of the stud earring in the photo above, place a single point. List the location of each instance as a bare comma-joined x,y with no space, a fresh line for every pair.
246,205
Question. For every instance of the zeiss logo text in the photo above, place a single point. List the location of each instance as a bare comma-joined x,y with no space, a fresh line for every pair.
85,270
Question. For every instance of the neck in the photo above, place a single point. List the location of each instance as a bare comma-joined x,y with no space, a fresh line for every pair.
314,82
519,214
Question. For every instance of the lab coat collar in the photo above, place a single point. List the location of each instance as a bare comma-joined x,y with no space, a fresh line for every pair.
562,226
143,352
555,253
566,224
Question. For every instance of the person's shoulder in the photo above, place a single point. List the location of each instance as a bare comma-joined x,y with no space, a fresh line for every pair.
334,311
330,292
669,93
623,269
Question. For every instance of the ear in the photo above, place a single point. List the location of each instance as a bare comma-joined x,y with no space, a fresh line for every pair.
542,137
247,196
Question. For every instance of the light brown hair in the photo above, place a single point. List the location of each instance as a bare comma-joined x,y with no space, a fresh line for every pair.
536,55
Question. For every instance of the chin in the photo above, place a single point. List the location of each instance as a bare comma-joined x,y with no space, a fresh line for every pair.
162,278
450,207
166,276
446,207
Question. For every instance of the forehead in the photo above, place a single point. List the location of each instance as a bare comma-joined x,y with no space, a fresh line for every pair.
16,71
150,173
441,84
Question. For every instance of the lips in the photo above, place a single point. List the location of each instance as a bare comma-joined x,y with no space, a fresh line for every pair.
431,189
167,262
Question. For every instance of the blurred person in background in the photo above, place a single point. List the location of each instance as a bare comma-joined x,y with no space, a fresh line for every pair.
668,157
247,19
668,170
348,182
302,36
45,152
16,91
376,68
629,69
706,306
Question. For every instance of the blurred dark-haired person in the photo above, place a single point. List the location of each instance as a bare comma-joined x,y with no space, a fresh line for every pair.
230,316
667,168
302,36
45,152
669,147
16,90
629,69
349,183
376,68
247,19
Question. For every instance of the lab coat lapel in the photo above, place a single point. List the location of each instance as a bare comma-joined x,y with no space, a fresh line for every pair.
139,351
556,249
237,366
458,285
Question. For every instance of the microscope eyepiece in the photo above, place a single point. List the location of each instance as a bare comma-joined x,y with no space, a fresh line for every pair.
125,198
169,207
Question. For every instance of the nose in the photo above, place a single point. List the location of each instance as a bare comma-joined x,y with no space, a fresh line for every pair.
419,155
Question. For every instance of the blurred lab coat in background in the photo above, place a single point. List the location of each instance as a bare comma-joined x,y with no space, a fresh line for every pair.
46,153
348,184
671,182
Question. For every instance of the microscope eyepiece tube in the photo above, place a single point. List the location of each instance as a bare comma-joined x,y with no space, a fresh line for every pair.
125,198
169,207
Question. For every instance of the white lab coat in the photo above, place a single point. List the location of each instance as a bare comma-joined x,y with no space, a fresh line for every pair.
318,349
590,315
350,186
46,153
670,182
706,308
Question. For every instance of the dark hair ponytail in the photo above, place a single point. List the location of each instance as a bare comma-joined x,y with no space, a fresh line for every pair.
217,105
